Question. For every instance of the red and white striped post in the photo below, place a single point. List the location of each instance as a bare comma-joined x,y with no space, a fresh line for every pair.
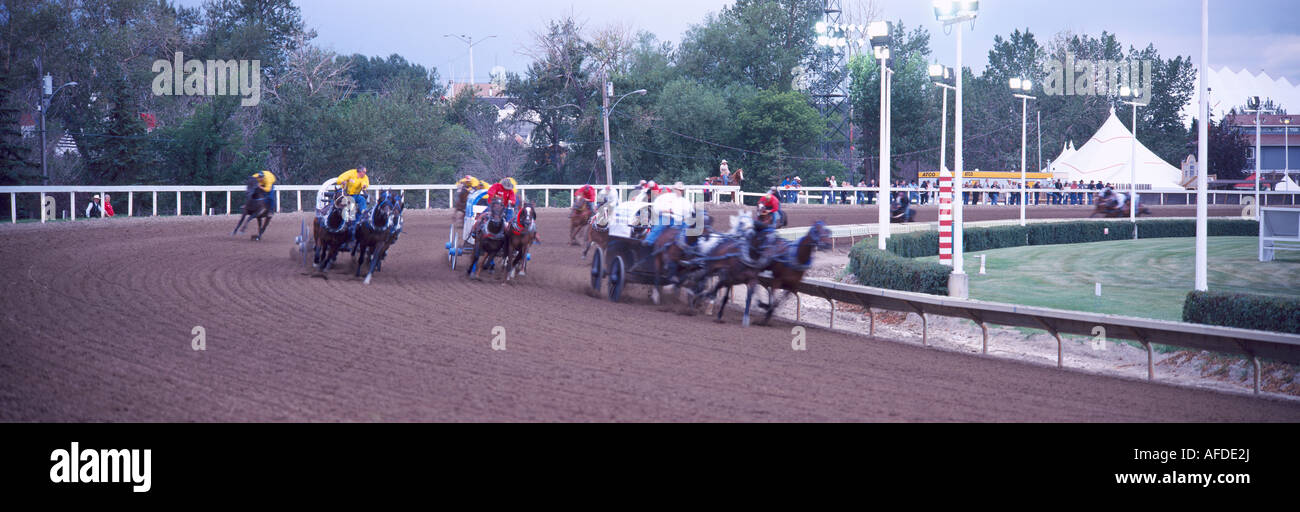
945,217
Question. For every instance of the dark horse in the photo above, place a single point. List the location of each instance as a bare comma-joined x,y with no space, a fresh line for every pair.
520,236
672,254
330,231
726,262
374,229
257,205
790,261
1108,207
489,238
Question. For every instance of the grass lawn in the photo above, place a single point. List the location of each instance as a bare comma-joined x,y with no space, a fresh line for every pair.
1145,278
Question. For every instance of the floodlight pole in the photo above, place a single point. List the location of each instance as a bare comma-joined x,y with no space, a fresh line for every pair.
1202,155
1024,139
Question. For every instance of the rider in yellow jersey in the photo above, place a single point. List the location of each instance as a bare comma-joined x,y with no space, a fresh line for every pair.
354,182
472,183
266,182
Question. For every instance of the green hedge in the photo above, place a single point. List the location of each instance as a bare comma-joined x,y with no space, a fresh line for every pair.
893,270
926,243
1244,310
881,269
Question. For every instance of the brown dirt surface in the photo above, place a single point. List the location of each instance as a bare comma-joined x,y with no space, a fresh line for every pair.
98,315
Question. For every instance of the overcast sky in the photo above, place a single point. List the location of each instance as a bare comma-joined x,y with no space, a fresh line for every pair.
1252,34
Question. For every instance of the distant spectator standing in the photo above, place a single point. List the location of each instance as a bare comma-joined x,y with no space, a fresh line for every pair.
93,209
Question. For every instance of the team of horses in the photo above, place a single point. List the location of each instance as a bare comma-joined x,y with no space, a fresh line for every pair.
706,262
367,234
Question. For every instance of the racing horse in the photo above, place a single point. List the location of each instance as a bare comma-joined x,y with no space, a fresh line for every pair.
1109,209
489,239
580,218
399,206
330,231
790,261
672,253
257,205
374,230
597,233
725,261
520,235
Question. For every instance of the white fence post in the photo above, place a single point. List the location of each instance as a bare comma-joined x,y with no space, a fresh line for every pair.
155,203
227,202
130,203
178,203
427,193
13,208
42,207
204,199
72,201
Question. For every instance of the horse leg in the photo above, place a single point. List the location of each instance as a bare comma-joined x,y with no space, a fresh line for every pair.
726,295
240,223
749,299
473,262
775,300
373,262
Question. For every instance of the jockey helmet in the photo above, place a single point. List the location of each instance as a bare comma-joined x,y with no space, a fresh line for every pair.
508,183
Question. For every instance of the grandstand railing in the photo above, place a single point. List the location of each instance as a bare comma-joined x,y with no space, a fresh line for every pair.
1251,343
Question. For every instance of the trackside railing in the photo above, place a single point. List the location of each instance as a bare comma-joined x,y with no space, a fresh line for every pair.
62,200
1252,343
1033,196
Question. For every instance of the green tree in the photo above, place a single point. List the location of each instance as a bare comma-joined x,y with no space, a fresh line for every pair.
753,42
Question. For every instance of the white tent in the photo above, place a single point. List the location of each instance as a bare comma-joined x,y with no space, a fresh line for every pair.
1286,185
1066,151
1106,156
1230,89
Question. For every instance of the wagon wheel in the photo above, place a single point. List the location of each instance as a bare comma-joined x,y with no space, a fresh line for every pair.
596,260
616,278
453,247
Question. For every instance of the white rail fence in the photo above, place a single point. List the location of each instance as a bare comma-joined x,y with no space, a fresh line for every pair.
65,197
1230,340
1034,196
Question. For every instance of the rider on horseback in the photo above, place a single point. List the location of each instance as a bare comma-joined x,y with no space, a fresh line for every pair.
354,182
503,191
769,207
266,182
471,183
1115,200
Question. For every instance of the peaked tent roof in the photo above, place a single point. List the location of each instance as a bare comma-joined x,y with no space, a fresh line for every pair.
1067,149
1286,184
1106,156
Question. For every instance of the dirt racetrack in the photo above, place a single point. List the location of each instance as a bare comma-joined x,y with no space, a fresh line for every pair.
98,319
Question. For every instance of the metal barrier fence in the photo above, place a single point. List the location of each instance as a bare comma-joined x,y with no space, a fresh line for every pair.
50,197
1230,340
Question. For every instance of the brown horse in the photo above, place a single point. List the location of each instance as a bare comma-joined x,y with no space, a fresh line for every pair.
672,260
257,205
597,235
374,230
724,261
519,238
790,261
1108,209
489,239
579,219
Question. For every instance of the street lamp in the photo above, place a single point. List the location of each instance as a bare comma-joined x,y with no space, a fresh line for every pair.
1258,109
1286,146
606,108
941,75
1023,85
879,32
1125,91
46,96
469,41
955,12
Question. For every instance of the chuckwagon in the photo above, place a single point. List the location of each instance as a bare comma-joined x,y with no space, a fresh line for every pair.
457,242
624,257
